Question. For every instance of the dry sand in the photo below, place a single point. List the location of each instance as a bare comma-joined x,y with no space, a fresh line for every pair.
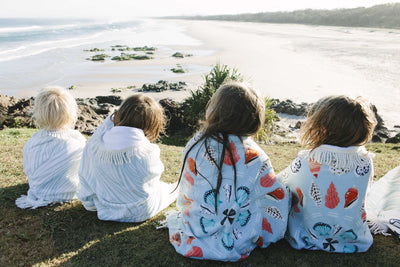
304,63
297,62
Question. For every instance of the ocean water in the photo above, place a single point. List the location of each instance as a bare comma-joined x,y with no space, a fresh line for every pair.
35,53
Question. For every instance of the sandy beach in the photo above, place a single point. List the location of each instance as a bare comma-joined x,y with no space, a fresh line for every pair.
297,62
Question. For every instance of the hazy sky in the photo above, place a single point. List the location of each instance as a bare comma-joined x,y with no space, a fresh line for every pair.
146,8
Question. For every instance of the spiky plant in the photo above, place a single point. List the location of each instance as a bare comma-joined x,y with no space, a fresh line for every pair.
271,117
196,103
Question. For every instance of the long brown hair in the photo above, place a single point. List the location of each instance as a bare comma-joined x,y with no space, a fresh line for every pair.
338,120
143,112
235,109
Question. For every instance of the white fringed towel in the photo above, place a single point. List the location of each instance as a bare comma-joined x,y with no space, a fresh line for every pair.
51,162
120,175
383,204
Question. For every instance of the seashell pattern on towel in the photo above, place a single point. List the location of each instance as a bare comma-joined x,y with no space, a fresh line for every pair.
314,167
266,226
268,180
362,170
196,252
242,196
350,249
300,194
295,203
235,155
277,194
349,235
331,236
188,204
260,241
189,177
251,154
206,224
211,156
192,165
274,212
331,197
333,168
190,239
244,217
323,229
264,166
227,241
175,238
350,197
209,197
316,194
228,192
295,165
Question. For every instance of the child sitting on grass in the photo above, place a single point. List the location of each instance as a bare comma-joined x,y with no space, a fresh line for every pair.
229,200
120,169
51,157
329,181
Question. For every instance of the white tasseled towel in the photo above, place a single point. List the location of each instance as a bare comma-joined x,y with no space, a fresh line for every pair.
51,162
120,175
383,204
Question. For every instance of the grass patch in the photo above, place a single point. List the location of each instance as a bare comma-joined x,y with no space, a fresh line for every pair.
68,235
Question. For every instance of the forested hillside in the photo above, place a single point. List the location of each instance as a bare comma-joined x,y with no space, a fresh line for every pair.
380,16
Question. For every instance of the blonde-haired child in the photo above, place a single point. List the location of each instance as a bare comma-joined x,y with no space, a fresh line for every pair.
51,157
120,169
328,182
229,200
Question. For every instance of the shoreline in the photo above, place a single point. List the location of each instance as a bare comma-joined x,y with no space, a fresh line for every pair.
298,62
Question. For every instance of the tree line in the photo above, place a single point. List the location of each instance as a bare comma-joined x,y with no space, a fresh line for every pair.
379,16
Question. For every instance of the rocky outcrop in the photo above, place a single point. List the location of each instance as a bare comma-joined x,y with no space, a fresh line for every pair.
92,111
394,140
174,112
289,107
15,112
162,85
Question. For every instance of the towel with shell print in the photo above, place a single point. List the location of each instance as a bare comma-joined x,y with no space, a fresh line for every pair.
328,188
227,226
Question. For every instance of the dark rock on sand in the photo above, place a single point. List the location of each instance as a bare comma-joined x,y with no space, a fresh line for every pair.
162,85
289,107
175,114
394,140
15,112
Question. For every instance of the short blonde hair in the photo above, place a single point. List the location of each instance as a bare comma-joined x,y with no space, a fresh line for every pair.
143,112
236,109
340,121
55,109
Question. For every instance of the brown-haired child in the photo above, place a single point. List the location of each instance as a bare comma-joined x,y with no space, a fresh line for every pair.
229,200
120,169
329,181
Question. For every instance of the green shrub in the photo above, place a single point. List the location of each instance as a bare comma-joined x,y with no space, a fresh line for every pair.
196,103
271,117
17,122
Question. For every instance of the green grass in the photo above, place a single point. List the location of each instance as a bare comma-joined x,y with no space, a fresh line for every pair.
68,235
